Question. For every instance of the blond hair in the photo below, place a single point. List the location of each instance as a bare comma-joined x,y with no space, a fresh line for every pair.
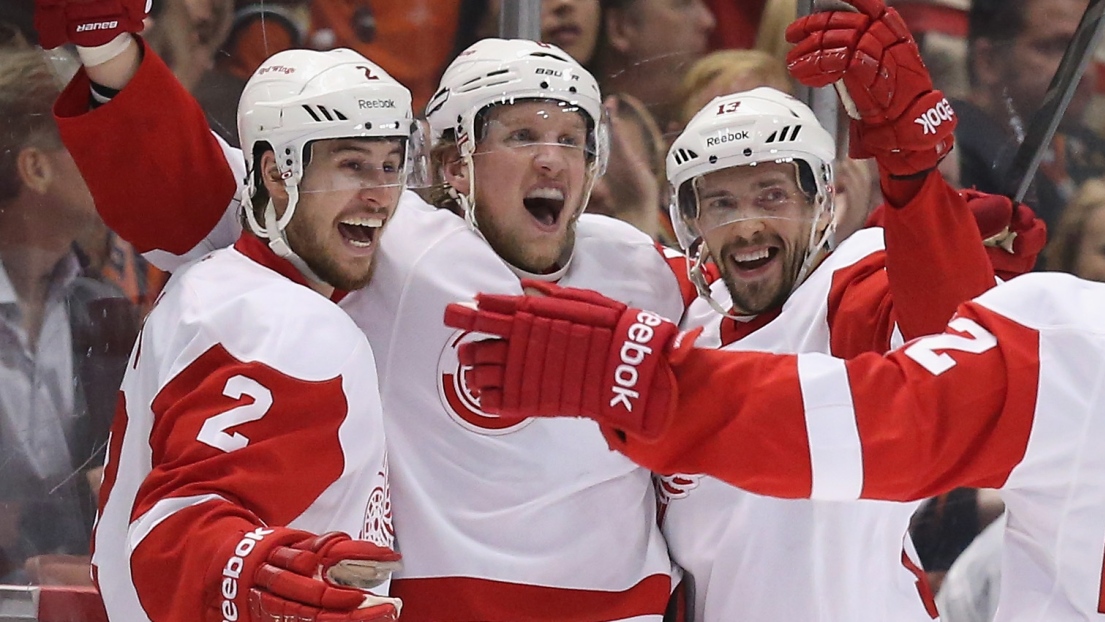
725,66
1066,243
28,88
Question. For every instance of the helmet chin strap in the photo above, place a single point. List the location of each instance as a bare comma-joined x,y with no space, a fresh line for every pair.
273,231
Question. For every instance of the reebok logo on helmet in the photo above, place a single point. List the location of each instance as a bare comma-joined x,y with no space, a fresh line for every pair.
632,353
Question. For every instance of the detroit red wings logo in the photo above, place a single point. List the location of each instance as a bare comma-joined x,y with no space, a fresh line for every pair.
676,486
462,406
377,517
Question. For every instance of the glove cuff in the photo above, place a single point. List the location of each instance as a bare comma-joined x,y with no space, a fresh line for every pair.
914,143
233,571
636,396
100,54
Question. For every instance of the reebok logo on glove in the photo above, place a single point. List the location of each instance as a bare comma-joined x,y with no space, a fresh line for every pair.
233,570
934,117
632,354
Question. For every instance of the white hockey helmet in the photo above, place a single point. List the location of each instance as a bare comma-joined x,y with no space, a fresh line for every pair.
744,129
299,96
506,71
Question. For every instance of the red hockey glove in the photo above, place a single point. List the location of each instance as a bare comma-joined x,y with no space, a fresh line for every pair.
899,119
1013,236
88,23
571,353
286,574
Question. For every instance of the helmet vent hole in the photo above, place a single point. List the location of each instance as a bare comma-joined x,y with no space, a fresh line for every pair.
713,159
325,113
747,152
311,112
544,85
572,89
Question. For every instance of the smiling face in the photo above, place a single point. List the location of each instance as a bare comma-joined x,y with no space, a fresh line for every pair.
348,191
530,169
756,222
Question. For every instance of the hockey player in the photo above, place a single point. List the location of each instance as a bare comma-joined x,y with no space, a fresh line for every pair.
753,194
1008,396
249,420
498,521
536,520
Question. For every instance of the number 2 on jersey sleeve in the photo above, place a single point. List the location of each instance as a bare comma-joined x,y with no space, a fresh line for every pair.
977,341
214,433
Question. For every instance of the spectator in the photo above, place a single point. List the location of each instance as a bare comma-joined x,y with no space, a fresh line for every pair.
1014,49
1078,245
64,337
729,71
646,47
572,25
630,189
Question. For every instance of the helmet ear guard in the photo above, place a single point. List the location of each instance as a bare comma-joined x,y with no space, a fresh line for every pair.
744,129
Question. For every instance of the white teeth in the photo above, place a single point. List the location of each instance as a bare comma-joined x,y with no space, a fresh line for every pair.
752,256
546,193
364,221
360,244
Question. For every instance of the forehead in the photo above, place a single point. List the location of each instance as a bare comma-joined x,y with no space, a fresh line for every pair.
1052,17
366,146
763,173
552,114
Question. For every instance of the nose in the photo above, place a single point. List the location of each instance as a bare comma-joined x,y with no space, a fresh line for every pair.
704,17
549,158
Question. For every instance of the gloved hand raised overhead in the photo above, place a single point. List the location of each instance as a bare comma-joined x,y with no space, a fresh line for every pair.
869,54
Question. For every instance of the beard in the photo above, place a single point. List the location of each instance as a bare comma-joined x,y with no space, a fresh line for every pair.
756,297
311,248
522,256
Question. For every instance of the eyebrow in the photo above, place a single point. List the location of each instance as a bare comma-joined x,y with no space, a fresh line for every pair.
359,148
774,180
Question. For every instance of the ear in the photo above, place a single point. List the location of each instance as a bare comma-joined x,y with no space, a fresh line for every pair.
620,28
34,169
270,176
455,172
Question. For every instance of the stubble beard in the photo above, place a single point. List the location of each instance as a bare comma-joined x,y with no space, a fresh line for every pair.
515,253
312,251
759,297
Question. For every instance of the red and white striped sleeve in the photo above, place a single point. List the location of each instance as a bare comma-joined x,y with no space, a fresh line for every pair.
811,425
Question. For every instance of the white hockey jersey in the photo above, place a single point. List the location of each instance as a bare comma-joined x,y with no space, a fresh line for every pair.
1009,397
250,400
538,520
763,559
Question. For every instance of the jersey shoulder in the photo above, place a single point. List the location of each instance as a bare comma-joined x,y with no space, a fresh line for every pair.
258,315
1049,301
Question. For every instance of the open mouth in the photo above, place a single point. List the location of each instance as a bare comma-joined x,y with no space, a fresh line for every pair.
752,260
545,205
361,231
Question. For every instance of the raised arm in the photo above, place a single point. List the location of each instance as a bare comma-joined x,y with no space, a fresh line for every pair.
159,177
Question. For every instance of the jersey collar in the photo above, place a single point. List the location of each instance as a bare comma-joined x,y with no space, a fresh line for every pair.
256,249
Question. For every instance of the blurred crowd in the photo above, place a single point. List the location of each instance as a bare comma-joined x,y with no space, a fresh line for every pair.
72,294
